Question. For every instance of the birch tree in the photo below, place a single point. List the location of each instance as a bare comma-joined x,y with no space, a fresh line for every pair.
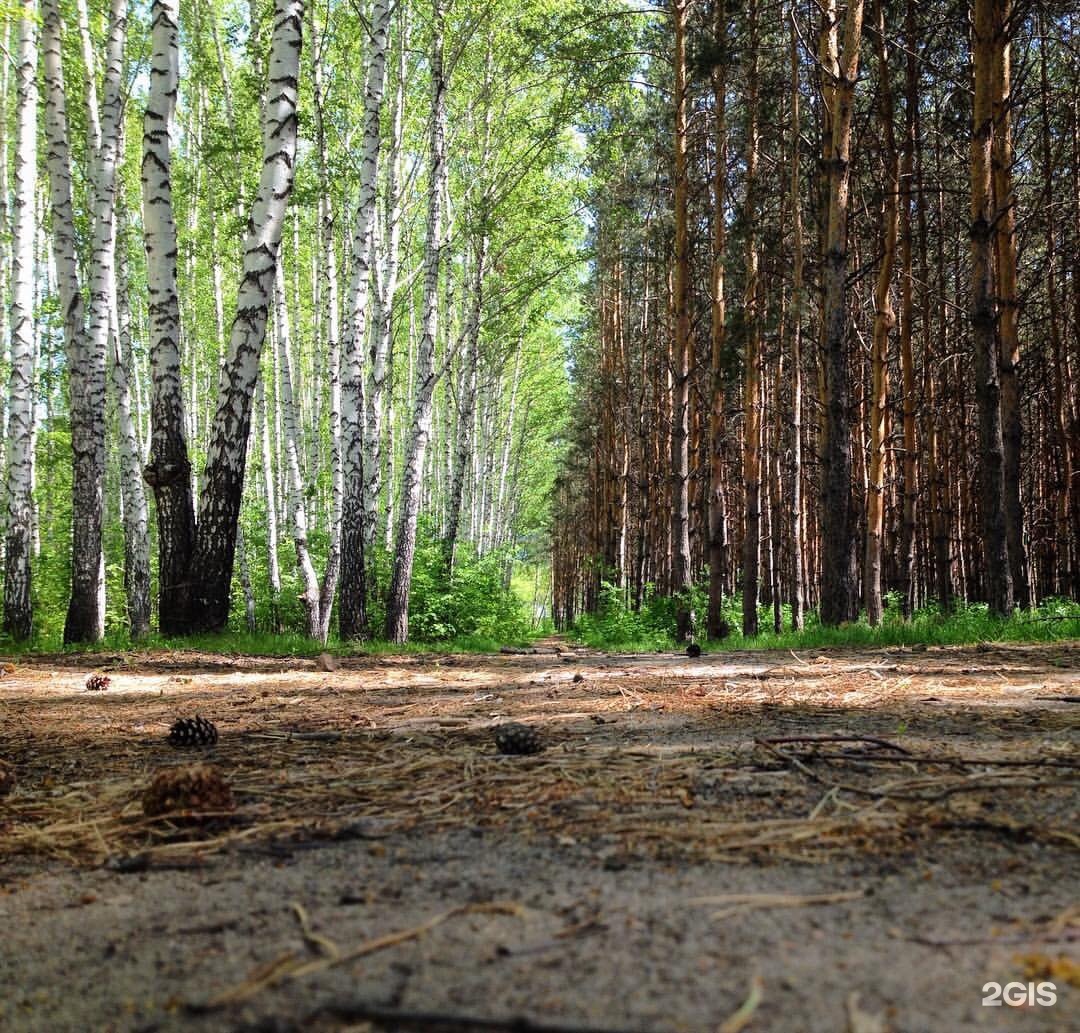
18,608
219,504
87,364
353,609
397,602
383,313
311,596
136,518
168,471
467,402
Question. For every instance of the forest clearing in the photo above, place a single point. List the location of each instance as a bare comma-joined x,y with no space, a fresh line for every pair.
540,515
845,841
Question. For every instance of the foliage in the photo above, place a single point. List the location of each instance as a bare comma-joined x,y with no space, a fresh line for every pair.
615,627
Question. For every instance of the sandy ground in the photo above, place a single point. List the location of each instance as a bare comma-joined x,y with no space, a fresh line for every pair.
680,857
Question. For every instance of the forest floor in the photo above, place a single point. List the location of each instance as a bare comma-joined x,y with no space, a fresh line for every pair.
850,840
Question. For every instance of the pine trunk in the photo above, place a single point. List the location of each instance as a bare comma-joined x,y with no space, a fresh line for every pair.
752,360
839,580
998,578
681,580
884,323
716,625
1008,300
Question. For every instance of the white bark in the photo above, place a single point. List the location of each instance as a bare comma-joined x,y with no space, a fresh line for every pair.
87,366
219,505
245,581
5,247
93,117
267,455
136,519
58,157
397,609
298,517
353,589
467,398
332,335
500,506
168,469
18,614
86,347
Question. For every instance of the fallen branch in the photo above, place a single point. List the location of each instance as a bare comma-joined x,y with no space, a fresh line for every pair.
757,901
883,743
288,968
740,1019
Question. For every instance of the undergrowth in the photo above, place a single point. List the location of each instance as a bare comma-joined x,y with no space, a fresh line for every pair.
619,628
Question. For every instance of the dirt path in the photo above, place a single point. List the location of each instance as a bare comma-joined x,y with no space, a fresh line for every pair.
770,842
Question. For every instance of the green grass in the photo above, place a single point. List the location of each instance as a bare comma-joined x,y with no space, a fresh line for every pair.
617,629
266,644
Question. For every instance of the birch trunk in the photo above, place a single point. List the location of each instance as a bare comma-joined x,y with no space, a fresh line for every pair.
267,455
18,607
353,610
508,440
136,519
329,297
298,517
379,371
397,604
467,405
87,366
5,244
168,471
219,504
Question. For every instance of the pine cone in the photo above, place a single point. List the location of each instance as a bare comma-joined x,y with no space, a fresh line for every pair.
193,731
97,683
517,739
693,650
193,787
